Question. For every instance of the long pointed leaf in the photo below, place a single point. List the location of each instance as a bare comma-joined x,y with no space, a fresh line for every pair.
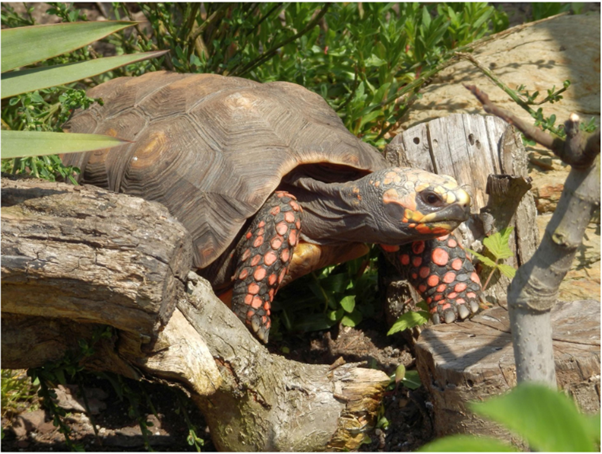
17,82
26,45
19,144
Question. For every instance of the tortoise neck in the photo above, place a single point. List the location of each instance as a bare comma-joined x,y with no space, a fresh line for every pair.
335,213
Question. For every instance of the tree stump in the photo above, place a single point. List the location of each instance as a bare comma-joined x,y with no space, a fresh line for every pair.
474,360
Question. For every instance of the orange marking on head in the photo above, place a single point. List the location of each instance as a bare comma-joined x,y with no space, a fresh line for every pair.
422,228
442,228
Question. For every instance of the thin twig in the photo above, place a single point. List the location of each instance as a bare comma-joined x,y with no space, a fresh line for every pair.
578,150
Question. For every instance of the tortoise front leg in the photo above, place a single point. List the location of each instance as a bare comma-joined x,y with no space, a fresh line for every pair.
264,257
442,273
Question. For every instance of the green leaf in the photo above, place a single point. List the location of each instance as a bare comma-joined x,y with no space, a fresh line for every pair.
507,270
26,45
548,420
352,319
486,260
348,303
19,144
497,243
409,320
400,373
17,82
411,380
467,443
373,60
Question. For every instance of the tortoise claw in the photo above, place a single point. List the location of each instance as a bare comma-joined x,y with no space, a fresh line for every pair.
463,311
436,319
449,316
474,306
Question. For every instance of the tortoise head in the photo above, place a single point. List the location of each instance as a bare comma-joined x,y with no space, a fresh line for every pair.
404,205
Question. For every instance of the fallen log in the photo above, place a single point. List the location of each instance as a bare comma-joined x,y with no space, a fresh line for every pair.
79,259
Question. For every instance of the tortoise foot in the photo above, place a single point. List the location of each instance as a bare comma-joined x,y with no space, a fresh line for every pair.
264,255
444,276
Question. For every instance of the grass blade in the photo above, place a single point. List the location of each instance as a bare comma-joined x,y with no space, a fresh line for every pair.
21,46
17,82
20,144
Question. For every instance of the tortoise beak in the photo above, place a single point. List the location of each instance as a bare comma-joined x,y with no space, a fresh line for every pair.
455,213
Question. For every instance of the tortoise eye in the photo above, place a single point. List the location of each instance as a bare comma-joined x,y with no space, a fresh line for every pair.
432,199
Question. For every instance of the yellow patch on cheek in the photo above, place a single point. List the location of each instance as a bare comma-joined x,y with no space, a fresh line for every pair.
411,215
450,197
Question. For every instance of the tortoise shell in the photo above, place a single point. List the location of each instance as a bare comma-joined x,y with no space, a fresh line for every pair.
211,148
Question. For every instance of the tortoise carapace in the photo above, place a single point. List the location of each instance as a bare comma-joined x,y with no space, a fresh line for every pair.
271,186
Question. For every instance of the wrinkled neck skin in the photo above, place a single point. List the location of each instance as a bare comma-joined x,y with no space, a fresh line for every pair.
350,212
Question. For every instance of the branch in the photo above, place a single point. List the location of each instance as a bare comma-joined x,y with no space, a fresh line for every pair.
579,149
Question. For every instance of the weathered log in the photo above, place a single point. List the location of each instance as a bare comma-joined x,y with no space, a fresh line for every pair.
474,360
78,259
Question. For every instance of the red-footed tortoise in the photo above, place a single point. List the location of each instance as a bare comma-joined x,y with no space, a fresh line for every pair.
271,185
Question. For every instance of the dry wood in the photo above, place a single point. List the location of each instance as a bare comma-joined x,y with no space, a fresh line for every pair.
474,360
78,259
97,257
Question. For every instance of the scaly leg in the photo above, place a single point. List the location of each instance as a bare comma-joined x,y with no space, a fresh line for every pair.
443,275
264,255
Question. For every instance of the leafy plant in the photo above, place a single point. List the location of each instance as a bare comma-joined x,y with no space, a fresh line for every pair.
498,246
410,319
27,45
547,420
337,294
18,391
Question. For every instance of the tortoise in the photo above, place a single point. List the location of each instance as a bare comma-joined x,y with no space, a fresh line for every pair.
271,185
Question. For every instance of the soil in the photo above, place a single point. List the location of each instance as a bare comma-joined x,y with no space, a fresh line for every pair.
406,411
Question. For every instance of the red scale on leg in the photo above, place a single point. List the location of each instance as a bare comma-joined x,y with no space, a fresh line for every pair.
265,252
443,276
